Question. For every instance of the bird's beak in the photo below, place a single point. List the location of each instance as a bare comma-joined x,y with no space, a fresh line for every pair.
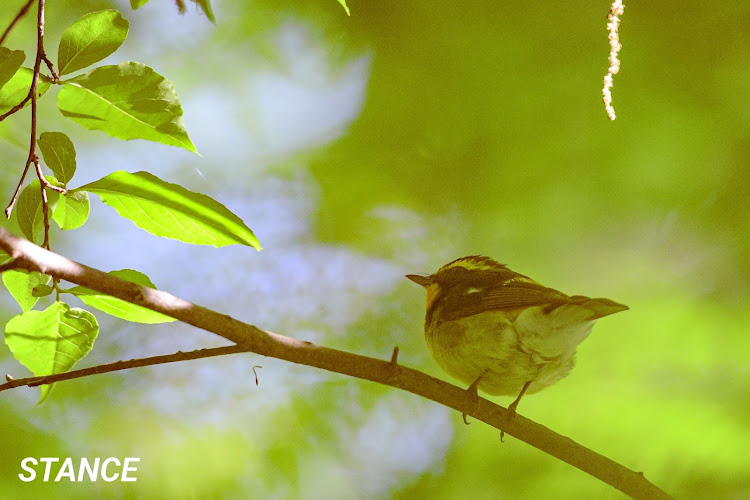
424,281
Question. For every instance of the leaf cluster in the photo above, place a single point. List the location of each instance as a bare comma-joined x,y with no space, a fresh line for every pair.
128,101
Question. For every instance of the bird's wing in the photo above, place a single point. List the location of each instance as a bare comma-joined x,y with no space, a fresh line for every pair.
511,296
520,294
517,294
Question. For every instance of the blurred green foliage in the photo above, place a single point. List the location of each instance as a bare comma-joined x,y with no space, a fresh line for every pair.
481,131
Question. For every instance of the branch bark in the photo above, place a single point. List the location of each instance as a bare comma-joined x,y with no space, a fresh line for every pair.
32,96
249,338
12,383
24,10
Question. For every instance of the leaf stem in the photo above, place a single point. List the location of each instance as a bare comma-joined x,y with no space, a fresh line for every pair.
32,95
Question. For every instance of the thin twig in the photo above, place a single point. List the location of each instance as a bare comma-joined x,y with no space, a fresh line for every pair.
122,365
34,258
51,186
51,67
394,356
13,200
16,108
33,158
45,203
21,13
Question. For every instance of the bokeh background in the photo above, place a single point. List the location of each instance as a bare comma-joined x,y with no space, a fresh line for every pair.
362,148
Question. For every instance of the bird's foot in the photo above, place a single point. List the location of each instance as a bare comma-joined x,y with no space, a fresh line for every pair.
511,418
472,389
511,415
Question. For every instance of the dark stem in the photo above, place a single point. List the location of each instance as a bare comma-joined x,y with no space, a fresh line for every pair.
24,10
16,108
45,203
33,158
51,67
122,365
13,200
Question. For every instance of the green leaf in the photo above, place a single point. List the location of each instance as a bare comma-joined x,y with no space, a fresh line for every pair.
90,39
42,290
72,210
18,87
343,4
205,6
10,61
170,210
29,211
136,4
120,308
29,208
51,341
127,101
21,286
59,154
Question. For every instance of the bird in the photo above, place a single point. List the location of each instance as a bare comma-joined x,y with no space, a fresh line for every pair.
502,332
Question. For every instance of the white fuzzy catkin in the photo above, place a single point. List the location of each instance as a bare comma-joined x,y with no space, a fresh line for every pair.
613,24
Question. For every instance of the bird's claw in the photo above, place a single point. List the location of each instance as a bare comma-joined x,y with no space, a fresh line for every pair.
472,389
511,417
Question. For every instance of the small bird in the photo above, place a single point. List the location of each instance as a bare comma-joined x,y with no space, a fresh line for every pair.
502,332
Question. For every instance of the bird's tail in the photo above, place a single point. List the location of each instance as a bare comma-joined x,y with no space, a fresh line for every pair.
600,307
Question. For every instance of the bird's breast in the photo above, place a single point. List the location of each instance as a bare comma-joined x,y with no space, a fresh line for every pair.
509,350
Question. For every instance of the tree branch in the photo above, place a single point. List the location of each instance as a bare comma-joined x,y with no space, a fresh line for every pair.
34,258
24,10
122,365
32,95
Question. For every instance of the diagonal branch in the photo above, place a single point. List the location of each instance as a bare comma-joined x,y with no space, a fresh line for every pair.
16,108
121,365
24,10
34,258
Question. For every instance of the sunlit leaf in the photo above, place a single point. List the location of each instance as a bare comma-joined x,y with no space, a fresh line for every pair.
120,308
90,39
21,286
343,4
10,61
51,341
29,208
135,4
170,210
18,87
205,6
59,154
127,101
72,210
42,290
